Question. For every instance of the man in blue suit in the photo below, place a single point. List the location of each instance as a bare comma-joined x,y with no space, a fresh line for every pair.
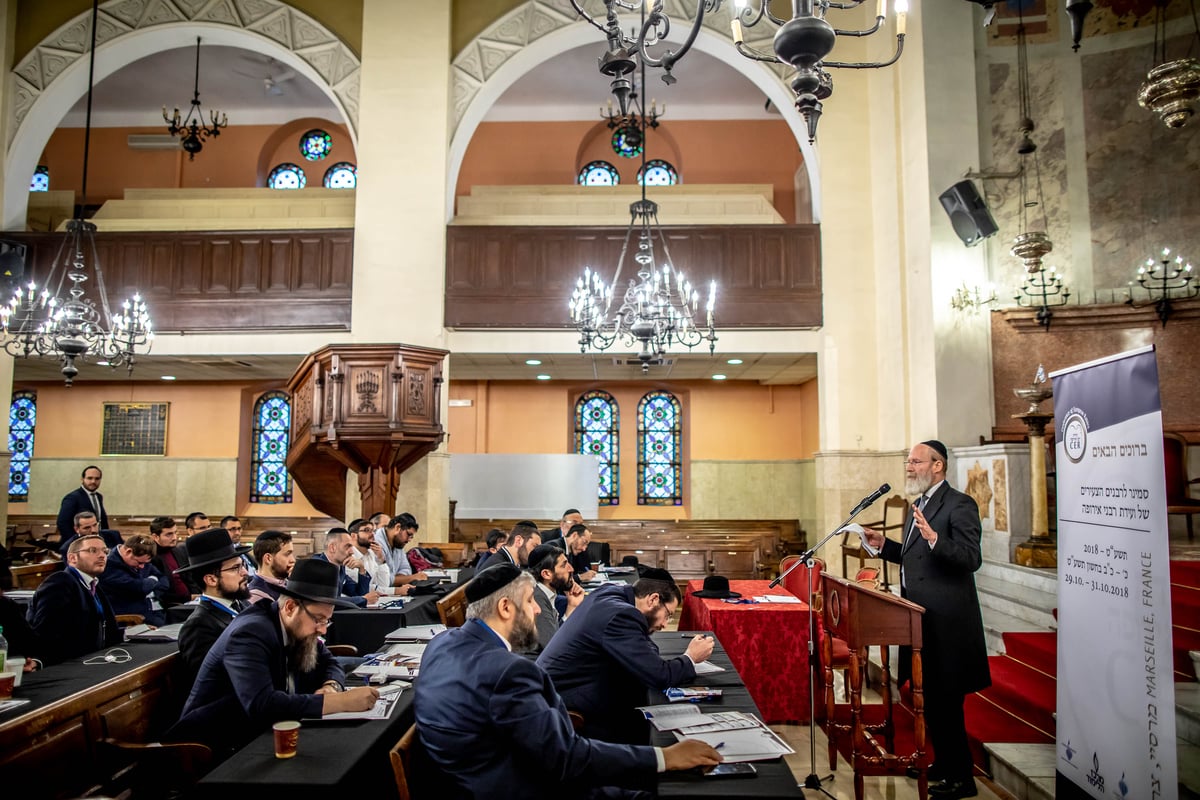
86,498
491,721
602,659
69,610
270,665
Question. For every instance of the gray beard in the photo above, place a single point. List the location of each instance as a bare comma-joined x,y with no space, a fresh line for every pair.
524,634
917,485
302,655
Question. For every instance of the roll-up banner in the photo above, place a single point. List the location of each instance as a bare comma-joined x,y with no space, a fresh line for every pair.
1116,691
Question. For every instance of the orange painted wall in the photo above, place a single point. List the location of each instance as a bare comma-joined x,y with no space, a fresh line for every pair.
710,151
229,161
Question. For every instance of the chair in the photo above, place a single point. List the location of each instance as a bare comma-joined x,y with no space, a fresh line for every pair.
868,577
129,620
452,609
152,770
347,650
852,545
30,576
807,586
1175,464
599,551
401,756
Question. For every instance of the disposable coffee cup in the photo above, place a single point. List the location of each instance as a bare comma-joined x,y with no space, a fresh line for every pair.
595,566
287,737
17,667
7,681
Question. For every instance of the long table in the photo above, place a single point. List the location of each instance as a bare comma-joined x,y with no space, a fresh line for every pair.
365,628
769,642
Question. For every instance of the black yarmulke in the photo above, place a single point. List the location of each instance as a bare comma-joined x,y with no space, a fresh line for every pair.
491,579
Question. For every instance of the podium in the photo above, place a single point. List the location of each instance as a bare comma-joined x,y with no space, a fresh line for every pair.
865,617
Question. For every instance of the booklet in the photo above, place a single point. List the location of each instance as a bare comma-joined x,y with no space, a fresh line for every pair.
144,633
749,744
691,694
415,633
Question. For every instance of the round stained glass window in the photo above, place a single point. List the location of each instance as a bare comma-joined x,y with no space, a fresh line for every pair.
627,141
315,144
599,173
658,173
40,182
342,175
287,176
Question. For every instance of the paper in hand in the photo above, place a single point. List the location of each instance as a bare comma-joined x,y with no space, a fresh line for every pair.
854,527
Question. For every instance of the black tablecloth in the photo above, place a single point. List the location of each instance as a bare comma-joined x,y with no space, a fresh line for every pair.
365,628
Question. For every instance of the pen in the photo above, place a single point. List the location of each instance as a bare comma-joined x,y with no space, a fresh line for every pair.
718,746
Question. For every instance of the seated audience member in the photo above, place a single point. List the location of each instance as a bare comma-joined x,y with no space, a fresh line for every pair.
370,553
533,537
70,611
575,545
276,555
270,665
234,526
130,580
23,640
602,659
512,550
339,551
399,532
162,531
552,574
86,524
195,522
518,742
213,556
494,540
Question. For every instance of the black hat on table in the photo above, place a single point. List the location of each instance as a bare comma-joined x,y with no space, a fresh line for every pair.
316,581
211,547
716,586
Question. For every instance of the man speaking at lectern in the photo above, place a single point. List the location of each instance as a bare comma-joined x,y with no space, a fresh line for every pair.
938,556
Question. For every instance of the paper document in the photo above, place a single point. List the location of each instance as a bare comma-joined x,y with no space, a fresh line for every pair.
666,718
144,633
750,744
5,705
706,667
381,710
854,527
19,594
777,598
416,633
721,721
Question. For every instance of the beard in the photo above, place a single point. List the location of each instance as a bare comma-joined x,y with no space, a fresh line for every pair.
242,593
917,484
302,654
561,585
524,634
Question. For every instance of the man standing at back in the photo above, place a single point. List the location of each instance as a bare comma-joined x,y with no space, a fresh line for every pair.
86,498
69,610
602,659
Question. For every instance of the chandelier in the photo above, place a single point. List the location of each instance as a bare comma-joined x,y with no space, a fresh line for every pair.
1043,289
1171,88
1031,246
190,127
804,41
1165,280
61,321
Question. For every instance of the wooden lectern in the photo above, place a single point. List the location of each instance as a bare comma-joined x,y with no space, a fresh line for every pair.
864,617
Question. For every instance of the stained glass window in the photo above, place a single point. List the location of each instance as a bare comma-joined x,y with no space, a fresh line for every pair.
342,175
598,433
22,417
269,479
627,141
287,176
599,173
658,173
40,182
315,144
660,454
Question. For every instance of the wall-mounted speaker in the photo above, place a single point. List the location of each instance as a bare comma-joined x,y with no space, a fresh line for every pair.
968,213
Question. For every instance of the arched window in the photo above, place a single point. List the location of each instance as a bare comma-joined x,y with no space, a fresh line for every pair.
269,479
599,173
660,452
40,182
22,417
658,173
341,175
287,176
628,141
315,144
598,433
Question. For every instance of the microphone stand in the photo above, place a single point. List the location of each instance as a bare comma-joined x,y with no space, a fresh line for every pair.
813,781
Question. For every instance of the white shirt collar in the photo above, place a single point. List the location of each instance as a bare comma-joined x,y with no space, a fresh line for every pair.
545,589
227,603
932,490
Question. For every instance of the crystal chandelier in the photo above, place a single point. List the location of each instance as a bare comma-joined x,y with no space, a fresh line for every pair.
1164,280
61,321
190,127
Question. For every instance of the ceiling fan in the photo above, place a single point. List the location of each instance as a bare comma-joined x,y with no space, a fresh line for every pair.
275,75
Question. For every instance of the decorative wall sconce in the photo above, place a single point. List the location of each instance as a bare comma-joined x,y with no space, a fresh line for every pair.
1165,280
971,298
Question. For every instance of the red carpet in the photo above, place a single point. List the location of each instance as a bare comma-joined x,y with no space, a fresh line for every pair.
1185,615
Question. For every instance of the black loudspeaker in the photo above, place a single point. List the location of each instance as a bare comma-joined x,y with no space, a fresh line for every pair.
968,213
12,265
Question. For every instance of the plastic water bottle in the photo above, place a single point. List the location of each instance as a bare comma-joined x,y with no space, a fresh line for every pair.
3,650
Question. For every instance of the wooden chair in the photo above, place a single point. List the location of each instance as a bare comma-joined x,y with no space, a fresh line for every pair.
129,620
401,756
895,508
342,649
452,609
1179,500
153,770
30,576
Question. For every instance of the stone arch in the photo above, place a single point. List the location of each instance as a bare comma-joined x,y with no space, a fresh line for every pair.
53,75
537,30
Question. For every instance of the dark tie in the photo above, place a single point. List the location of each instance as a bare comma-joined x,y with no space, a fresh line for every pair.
92,588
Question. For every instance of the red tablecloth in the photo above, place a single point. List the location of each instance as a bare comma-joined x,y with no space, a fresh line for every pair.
767,643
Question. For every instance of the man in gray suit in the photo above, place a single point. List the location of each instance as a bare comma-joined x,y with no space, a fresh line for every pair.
938,557
552,576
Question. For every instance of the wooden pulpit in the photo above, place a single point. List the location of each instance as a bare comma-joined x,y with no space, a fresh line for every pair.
864,617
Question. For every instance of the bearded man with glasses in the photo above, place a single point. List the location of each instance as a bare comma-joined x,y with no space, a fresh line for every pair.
212,556
70,611
270,665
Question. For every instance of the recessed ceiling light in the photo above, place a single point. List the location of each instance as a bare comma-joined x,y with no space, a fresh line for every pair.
543,377
168,377
734,361
101,363
533,362
718,377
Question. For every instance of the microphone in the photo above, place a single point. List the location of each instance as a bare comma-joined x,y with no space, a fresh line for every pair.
871,498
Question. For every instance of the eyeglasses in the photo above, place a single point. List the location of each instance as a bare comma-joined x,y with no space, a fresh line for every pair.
239,567
912,462
321,622
91,550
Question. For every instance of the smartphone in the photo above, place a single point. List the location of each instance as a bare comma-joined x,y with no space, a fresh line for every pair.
740,770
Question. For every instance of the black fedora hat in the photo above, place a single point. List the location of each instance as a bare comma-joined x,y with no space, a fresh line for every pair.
716,586
316,581
210,547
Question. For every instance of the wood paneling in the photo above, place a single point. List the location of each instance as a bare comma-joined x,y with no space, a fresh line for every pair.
519,277
221,281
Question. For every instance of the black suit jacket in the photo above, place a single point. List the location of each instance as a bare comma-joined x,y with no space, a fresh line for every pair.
67,619
954,652
72,504
199,632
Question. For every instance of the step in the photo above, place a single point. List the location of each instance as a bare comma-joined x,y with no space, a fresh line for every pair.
1042,579
1024,770
996,623
1187,712
1026,693
1017,600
